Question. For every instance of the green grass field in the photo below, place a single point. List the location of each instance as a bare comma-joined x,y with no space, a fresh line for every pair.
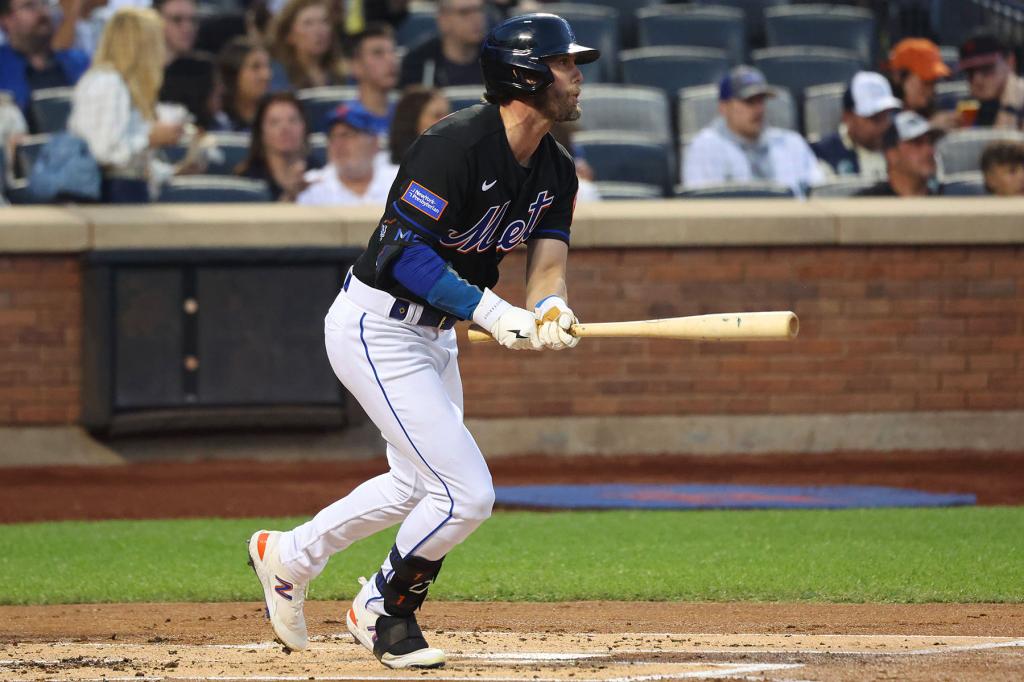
967,554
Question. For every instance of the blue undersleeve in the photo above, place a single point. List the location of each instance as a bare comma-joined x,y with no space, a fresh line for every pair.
419,269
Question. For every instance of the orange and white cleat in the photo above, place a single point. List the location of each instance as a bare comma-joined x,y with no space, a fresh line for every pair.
283,593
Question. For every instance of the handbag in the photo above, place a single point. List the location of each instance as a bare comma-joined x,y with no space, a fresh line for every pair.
65,169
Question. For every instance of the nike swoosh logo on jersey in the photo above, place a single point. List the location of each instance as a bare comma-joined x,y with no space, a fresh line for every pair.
487,185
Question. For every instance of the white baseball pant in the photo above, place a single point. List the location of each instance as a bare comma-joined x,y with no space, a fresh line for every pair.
406,377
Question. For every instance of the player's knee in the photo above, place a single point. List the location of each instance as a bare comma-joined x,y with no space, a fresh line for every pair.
477,507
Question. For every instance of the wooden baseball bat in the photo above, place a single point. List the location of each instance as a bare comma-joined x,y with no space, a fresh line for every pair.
779,325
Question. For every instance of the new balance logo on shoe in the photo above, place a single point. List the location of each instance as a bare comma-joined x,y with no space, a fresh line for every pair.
283,587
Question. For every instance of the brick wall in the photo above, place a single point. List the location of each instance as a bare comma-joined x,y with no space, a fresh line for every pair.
40,337
882,329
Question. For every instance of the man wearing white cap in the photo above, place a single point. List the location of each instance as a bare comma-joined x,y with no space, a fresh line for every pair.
909,146
855,149
739,147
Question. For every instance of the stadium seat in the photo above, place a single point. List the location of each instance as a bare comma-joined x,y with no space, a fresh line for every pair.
204,189
960,151
51,108
840,188
823,110
951,57
627,16
318,150
753,12
959,89
596,27
629,190
798,68
232,148
419,25
316,102
969,184
695,26
836,26
736,190
698,106
628,157
25,153
673,68
626,107
462,96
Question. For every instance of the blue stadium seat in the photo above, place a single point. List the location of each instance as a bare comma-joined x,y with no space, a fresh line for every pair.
316,102
837,26
204,189
628,157
798,68
596,27
629,190
51,108
318,150
419,26
633,108
840,188
969,184
25,153
627,16
823,110
673,68
753,12
462,96
695,26
698,107
736,190
960,151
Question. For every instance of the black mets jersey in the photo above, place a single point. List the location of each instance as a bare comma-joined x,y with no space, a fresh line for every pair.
461,191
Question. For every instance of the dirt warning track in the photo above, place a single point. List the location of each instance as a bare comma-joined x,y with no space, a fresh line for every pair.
590,641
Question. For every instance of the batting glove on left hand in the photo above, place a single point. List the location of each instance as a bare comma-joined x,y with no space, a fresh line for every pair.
554,320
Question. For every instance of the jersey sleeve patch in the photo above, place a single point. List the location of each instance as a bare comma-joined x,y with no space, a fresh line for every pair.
425,201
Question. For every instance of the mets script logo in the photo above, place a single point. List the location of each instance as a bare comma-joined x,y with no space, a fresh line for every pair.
488,233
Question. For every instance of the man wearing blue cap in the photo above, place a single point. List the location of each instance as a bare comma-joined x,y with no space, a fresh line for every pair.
352,176
738,147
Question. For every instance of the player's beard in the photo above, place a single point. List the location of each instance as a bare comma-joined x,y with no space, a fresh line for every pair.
559,108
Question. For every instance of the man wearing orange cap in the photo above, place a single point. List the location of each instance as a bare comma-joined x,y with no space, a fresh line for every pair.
915,65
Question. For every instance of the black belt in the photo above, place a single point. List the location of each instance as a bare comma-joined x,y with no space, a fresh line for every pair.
429,317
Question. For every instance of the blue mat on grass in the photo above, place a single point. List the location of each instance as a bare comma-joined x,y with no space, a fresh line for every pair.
700,496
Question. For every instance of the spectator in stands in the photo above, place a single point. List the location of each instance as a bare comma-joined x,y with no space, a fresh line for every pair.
909,145
915,65
81,24
373,62
1002,164
352,176
990,68
738,147
418,109
192,81
856,148
450,58
303,44
245,72
181,26
279,147
27,61
113,107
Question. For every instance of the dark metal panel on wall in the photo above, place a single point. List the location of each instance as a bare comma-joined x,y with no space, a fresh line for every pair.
260,334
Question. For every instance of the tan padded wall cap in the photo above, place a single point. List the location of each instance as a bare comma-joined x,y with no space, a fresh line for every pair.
933,220
42,229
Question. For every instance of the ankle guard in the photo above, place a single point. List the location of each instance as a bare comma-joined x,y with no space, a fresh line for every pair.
397,636
406,588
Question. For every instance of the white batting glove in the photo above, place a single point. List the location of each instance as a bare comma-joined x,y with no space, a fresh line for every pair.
554,320
512,327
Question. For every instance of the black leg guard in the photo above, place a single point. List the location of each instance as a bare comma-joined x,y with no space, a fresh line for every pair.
406,588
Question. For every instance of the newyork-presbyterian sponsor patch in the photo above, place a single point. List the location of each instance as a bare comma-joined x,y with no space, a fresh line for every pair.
424,201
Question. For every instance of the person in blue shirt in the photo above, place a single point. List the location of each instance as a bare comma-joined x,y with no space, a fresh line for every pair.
27,62
373,63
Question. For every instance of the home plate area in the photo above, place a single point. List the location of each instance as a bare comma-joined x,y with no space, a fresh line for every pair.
530,657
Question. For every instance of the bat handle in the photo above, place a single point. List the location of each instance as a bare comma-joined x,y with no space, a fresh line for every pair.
478,334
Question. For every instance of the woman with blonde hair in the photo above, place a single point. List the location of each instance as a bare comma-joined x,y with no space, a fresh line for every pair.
114,105
303,41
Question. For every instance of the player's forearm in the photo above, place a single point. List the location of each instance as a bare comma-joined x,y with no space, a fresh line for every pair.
545,284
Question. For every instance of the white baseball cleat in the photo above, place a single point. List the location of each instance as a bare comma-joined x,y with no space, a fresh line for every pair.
283,593
396,642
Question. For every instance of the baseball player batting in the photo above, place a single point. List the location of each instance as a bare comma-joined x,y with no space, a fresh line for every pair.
470,189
